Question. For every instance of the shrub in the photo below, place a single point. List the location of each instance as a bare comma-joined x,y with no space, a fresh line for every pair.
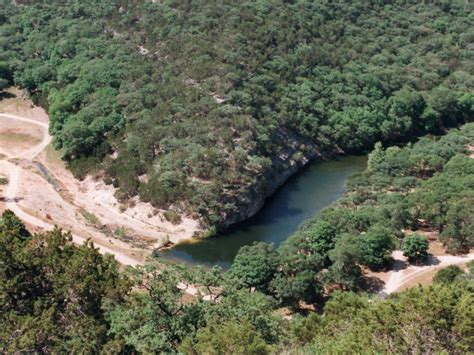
415,247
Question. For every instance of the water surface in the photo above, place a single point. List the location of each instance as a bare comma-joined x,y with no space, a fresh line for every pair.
300,198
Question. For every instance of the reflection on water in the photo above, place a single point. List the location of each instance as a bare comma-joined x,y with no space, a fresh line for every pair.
298,199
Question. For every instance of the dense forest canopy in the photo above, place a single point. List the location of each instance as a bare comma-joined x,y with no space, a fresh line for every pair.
203,105
56,297
428,184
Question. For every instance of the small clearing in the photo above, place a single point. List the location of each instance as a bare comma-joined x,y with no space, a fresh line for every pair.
404,274
42,192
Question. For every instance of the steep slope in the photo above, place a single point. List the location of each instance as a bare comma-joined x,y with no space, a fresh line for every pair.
206,108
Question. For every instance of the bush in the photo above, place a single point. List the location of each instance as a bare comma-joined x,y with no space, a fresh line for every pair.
172,216
415,247
448,275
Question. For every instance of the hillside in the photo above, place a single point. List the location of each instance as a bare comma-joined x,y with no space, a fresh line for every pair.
205,108
407,199
57,297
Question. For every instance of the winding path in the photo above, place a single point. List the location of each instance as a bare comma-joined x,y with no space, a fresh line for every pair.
404,273
11,192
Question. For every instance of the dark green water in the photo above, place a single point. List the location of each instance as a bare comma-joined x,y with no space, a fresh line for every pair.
300,198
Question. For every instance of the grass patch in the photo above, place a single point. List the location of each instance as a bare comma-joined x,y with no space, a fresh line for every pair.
84,166
121,233
172,216
90,217
18,137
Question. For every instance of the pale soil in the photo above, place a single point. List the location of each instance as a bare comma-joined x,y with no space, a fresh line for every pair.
18,138
470,148
404,274
20,106
88,208
426,278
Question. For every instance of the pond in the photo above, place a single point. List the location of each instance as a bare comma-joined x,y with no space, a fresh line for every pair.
300,198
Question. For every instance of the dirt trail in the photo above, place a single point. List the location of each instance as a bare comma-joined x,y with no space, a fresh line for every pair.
403,273
42,188
15,171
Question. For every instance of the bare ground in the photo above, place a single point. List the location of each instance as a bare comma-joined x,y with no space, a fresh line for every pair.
41,191
403,275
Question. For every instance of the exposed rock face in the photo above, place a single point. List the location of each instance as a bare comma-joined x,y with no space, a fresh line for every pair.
297,154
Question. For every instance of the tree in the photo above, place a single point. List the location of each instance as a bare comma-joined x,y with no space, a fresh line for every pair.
444,102
345,270
321,237
415,247
245,306
230,337
158,319
298,269
254,265
52,292
375,247
15,227
458,233
291,289
3,84
393,325
376,157
448,274
406,106
5,75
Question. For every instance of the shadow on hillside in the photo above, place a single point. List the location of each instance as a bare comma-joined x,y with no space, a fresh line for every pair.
431,260
373,284
398,265
6,95
14,199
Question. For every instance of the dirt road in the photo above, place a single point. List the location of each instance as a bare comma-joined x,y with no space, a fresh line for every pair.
403,273
14,175
17,165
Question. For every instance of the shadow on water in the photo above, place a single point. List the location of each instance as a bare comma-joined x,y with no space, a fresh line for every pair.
300,198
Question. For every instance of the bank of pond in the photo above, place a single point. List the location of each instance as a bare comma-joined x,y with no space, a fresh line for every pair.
301,197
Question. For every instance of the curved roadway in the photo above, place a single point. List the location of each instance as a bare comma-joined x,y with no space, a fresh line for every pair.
11,192
397,278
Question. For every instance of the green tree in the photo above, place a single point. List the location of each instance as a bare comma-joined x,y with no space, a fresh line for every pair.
393,325
448,274
376,157
229,337
158,319
5,75
406,106
345,271
291,289
298,269
458,233
52,292
415,247
321,237
375,247
254,265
